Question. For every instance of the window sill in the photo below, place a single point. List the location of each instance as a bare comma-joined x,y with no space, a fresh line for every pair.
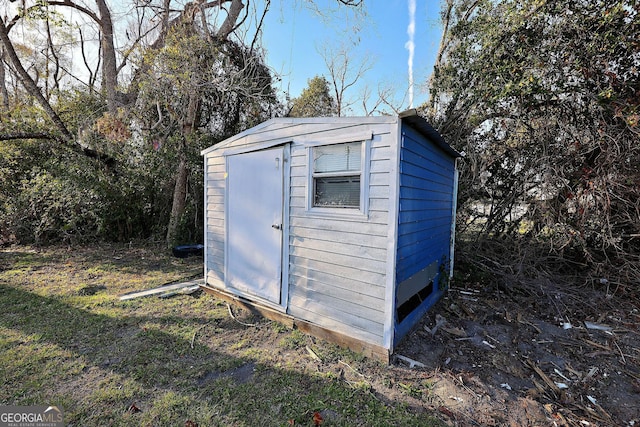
351,214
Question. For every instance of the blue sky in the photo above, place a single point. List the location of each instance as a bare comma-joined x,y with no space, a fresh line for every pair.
293,34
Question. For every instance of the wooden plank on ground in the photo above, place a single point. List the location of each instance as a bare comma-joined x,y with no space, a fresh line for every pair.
161,289
367,349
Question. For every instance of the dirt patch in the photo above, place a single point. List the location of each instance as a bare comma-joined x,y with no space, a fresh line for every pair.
91,290
490,356
240,375
508,357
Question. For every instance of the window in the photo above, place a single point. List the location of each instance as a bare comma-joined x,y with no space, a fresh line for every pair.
336,172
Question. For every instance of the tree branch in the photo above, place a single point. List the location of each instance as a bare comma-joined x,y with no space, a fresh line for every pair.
259,27
33,90
29,84
229,23
92,76
26,135
78,7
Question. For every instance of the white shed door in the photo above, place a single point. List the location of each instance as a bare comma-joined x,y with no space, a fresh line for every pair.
254,222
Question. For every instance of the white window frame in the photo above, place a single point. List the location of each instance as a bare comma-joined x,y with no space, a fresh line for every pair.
359,212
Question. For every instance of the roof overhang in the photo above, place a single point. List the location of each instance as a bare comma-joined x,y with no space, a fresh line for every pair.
420,124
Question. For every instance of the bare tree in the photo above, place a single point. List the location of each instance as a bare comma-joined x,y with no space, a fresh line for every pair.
345,70
93,74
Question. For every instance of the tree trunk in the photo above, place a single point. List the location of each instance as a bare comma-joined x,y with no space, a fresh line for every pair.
109,66
180,190
179,200
446,19
189,126
4,93
230,22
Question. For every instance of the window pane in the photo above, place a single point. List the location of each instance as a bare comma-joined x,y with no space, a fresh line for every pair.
338,191
337,158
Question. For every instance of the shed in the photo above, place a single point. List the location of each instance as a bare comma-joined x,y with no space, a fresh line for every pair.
341,226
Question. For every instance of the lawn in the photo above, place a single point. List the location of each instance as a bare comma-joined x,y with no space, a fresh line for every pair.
67,340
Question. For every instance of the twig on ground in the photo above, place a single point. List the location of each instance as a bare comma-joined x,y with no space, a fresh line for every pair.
353,370
313,354
459,380
239,321
554,388
193,338
624,362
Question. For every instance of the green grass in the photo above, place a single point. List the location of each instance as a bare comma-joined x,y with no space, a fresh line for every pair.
67,340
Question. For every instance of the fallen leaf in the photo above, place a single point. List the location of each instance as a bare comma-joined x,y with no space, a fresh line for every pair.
133,408
446,411
317,418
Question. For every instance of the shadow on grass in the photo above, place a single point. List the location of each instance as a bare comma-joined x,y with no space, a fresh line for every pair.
147,355
109,363
115,257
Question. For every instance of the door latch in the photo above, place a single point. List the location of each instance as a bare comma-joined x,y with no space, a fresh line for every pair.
277,226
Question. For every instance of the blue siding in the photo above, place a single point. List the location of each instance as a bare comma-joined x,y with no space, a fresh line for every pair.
425,215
